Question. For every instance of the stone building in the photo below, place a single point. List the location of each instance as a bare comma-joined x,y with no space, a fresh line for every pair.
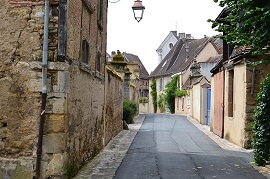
79,117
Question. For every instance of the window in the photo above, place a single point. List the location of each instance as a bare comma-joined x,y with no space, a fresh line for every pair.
230,93
171,45
100,14
188,102
85,51
98,61
183,103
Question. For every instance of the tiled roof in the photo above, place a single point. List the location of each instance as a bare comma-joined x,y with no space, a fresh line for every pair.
203,80
215,59
169,60
178,59
184,59
217,44
130,58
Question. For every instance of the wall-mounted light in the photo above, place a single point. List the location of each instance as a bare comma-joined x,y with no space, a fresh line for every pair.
138,10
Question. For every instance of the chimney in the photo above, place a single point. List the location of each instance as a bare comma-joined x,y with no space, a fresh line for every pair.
188,36
113,53
174,32
181,35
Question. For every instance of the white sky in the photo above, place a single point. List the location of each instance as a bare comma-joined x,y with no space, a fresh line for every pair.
160,17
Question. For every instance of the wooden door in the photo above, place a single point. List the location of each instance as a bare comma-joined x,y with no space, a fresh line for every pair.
218,119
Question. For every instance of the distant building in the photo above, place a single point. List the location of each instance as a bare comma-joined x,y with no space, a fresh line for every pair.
167,45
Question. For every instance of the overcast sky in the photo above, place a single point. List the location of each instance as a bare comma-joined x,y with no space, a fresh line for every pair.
160,17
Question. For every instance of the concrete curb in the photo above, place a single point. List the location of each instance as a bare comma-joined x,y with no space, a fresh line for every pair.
105,164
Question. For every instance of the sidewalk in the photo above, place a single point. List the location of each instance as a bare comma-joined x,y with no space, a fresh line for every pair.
105,164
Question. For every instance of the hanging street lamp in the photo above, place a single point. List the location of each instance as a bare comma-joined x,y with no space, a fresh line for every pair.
138,10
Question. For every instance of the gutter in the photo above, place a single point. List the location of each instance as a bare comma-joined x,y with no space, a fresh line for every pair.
44,88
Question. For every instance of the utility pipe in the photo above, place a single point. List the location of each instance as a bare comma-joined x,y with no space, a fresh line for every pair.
44,87
253,80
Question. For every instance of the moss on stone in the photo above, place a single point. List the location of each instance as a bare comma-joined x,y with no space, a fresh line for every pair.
22,172
114,72
119,59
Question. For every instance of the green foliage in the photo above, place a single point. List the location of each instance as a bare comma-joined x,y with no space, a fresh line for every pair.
246,24
180,93
71,169
162,103
154,93
129,110
171,87
261,125
143,100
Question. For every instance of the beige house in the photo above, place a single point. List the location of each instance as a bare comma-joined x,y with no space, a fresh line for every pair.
241,86
235,84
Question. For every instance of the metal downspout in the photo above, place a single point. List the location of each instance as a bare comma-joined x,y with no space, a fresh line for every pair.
253,80
44,88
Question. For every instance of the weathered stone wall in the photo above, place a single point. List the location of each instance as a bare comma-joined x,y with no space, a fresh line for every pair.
113,105
85,104
85,100
21,34
260,72
82,24
134,93
74,111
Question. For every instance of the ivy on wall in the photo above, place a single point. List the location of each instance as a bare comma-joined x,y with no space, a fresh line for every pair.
172,91
154,93
162,103
261,125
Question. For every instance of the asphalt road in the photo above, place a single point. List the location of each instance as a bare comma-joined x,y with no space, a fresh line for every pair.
171,147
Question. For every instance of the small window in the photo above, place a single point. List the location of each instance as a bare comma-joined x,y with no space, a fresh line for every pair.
171,45
100,14
85,51
98,61
230,93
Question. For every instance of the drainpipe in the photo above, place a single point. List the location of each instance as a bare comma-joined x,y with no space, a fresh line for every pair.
253,77
44,88
253,80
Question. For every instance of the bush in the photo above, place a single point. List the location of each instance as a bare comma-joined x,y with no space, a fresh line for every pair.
261,125
129,110
143,100
180,93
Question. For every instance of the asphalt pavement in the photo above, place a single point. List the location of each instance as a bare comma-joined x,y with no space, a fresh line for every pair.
171,146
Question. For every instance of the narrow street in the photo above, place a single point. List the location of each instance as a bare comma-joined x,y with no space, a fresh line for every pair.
170,146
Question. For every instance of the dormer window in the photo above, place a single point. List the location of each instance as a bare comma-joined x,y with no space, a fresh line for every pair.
171,45
164,64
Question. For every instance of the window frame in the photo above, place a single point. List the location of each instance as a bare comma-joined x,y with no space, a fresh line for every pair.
85,52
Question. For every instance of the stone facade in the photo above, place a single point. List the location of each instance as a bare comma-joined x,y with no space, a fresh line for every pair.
79,117
113,104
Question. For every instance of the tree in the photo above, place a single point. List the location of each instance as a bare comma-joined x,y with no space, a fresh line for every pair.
246,24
